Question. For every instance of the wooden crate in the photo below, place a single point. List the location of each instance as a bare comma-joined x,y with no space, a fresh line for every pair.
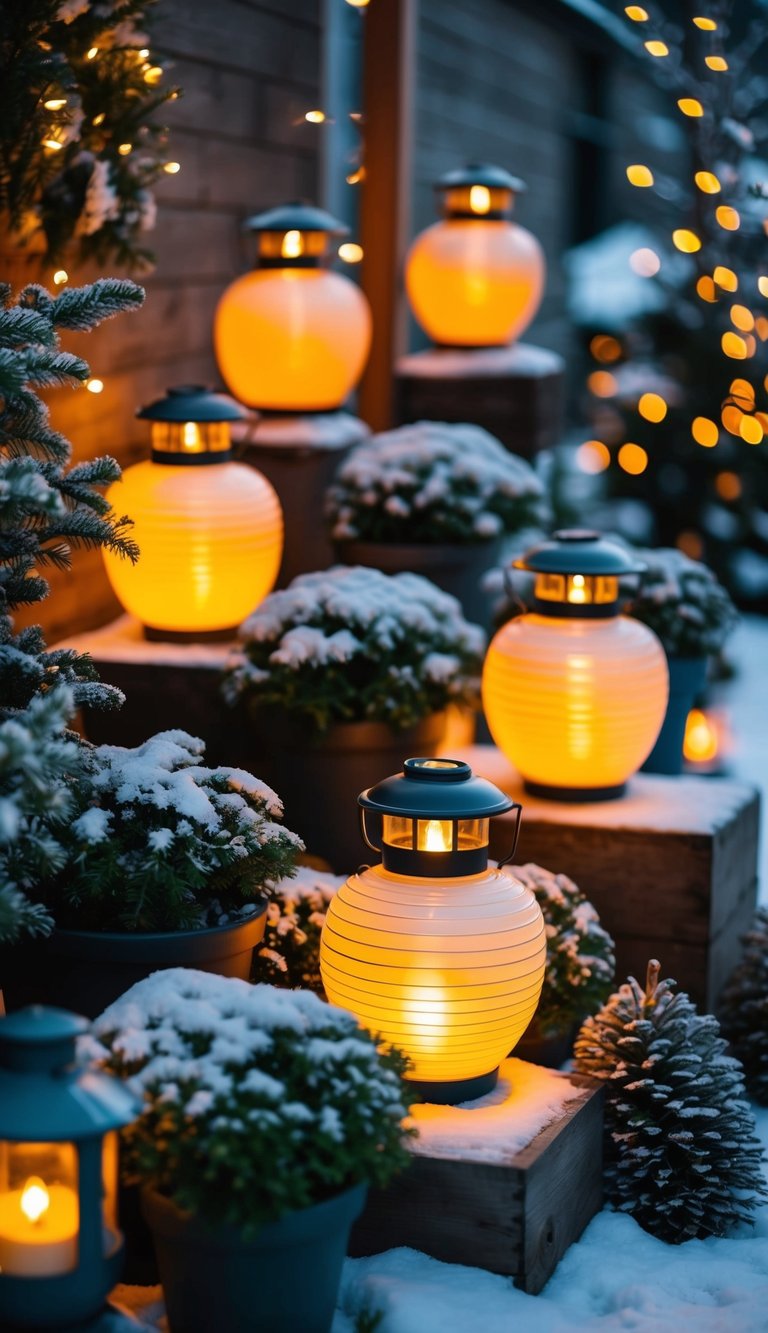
462,1205
671,867
516,393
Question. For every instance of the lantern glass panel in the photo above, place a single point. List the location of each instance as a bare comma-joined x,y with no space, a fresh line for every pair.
292,244
478,200
473,833
191,437
577,589
39,1209
397,830
435,835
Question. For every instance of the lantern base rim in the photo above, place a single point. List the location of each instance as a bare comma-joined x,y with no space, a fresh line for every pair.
455,1091
154,635
574,795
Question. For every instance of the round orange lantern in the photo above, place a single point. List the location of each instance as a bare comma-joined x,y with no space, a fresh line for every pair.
476,278
210,531
292,336
574,693
433,950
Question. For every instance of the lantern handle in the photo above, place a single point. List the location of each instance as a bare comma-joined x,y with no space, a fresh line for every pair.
518,606
510,856
364,831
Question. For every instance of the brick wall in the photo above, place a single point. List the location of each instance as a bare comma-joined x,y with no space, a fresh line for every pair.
248,70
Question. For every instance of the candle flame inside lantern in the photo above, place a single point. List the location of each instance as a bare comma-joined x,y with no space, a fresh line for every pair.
701,743
292,245
480,199
437,836
191,435
35,1199
577,592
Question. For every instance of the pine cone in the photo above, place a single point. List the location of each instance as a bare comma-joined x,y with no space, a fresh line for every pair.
681,1153
744,1005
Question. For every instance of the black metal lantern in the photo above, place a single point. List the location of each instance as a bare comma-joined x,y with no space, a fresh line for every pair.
191,425
578,574
295,235
480,191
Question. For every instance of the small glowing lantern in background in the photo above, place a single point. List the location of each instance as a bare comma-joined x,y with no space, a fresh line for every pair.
441,955
210,531
292,336
60,1247
476,278
574,693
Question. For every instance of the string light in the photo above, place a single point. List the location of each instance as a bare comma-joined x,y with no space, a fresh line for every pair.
690,106
645,262
705,288
705,432
742,318
315,117
52,145
154,74
633,459
690,544
124,149
171,168
653,407
60,276
55,103
143,53
99,120
656,48
726,278
593,456
92,54
728,485
94,385
356,176
716,62
727,217
706,25
751,430
605,348
731,418
686,240
639,175
733,346
350,252
602,384
743,392
358,4
707,181
636,13
761,327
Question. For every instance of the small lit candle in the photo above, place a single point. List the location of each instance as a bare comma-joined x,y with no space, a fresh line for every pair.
38,1230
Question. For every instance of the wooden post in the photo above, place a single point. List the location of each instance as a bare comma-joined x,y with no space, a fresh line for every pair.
388,76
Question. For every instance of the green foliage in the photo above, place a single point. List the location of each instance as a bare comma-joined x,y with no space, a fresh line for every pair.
257,1101
580,960
157,842
744,1009
681,1154
682,601
434,482
353,644
290,951
85,191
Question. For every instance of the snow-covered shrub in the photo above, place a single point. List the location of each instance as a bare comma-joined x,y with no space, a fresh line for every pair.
682,601
290,953
580,960
157,841
351,644
256,1101
433,482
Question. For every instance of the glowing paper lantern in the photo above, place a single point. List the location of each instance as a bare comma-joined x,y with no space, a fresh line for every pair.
574,693
292,336
475,279
441,955
210,531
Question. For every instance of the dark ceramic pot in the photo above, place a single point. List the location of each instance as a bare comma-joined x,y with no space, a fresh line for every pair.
86,970
457,569
687,676
319,778
549,1051
285,1278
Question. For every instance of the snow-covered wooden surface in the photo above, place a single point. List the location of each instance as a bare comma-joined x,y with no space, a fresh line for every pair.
122,640
467,363
325,431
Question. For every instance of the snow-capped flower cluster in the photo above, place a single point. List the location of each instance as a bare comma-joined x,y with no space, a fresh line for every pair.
580,959
256,1101
682,601
290,953
433,482
354,644
159,842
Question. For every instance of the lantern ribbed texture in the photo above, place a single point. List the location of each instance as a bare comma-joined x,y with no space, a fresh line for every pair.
475,283
449,970
575,703
211,541
292,339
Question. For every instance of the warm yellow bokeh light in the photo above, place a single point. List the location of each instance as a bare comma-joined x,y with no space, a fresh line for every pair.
734,346
55,103
705,432
315,117
707,182
479,199
728,486
690,106
124,149
171,168
761,327
60,276
656,48
690,544
716,62
701,744
633,459
705,288
605,348
743,392
35,1199
725,278
636,13
602,383
751,430
639,175
645,262
92,53
686,240
652,406
593,456
94,385
153,75
727,217
743,318
350,252
762,285
731,418
706,24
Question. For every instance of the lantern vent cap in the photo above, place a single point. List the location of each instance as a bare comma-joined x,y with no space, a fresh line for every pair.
193,402
579,551
296,216
480,173
436,788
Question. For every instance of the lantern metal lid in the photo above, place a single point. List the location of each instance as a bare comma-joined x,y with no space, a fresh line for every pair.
296,216
479,192
193,402
191,425
436,789
577,574
480,173
294,235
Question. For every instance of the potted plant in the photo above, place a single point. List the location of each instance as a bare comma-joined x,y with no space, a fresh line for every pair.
289,954
346,673
266,1113
682,601
164,862
580,966
437,499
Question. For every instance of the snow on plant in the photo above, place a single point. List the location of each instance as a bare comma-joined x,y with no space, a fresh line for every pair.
682,601
580,959
157,841
256,1101
433,482
290,952
352,644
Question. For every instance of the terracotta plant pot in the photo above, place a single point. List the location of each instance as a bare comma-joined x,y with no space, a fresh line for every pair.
319,777
687,676
457,569
285,1278
86,970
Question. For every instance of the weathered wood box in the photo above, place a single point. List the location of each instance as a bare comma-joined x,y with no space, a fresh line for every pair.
671,867
506,1183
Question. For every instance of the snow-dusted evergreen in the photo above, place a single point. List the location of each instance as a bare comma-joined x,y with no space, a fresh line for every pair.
256,1101
683,602
290,952
157,841
744,1009
434,482
682,1156
351,644
580,959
